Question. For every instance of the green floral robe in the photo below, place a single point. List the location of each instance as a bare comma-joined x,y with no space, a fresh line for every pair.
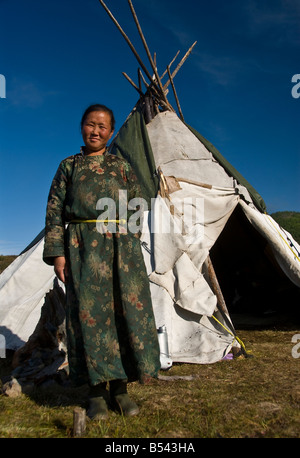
109,317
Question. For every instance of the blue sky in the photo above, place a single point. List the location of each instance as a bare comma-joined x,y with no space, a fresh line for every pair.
58,57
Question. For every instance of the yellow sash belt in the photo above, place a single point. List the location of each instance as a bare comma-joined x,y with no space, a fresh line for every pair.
120,221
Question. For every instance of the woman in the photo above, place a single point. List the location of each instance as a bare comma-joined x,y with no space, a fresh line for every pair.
109,318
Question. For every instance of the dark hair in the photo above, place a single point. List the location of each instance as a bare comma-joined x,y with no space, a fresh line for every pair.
98,107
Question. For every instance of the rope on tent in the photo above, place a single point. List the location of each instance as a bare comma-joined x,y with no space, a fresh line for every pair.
233,335
288,245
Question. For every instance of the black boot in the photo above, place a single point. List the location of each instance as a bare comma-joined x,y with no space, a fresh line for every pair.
98,399
119,395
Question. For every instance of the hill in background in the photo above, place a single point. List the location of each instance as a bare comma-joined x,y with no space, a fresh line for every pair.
5,261
290,221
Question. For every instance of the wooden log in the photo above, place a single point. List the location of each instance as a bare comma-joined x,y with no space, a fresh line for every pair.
79,422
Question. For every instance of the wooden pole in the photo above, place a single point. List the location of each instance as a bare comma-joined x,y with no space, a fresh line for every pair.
140,79
215,284
172,61
220,298
180,64
147,50
175,94
129,43
132,83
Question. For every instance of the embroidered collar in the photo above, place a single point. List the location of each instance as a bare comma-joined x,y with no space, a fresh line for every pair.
104,154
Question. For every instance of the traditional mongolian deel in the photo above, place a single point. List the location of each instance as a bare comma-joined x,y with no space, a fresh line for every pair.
109,317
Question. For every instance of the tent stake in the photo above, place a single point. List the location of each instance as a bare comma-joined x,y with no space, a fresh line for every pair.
79,422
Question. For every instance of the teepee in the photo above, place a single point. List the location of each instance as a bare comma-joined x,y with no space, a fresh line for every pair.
210,248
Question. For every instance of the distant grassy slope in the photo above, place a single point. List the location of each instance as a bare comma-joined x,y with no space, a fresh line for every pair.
5,261
290,221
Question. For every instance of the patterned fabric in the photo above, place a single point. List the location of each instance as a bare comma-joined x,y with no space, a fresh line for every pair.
109,317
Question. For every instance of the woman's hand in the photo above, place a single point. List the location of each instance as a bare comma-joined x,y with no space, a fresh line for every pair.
60,268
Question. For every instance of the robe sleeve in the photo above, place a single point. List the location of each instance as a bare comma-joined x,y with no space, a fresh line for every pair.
134,188
55,223
139,206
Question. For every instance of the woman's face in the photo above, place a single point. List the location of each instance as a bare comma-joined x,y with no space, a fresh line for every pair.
96,131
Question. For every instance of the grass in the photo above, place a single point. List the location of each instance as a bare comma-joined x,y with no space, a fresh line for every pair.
5,261
242,398
290,221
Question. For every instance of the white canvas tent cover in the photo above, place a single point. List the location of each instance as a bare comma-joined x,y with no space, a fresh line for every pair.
182,297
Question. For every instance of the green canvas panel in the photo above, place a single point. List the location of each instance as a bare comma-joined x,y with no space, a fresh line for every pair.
132,143
257,199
